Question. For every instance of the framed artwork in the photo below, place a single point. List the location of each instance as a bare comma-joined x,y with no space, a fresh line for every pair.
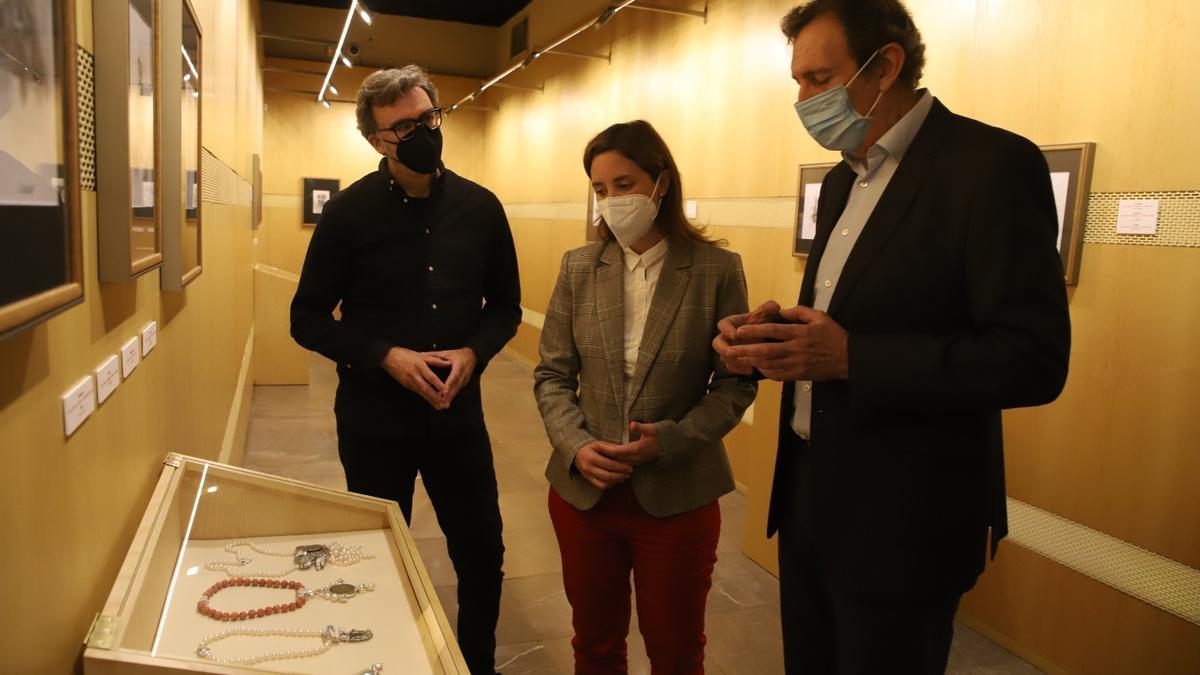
180,52
129,181
317,191
256,196
594,219
805,228
41,270
1071,176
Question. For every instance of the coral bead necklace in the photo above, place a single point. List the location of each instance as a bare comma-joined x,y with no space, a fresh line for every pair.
335,592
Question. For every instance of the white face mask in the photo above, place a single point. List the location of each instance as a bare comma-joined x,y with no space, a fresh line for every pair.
630,217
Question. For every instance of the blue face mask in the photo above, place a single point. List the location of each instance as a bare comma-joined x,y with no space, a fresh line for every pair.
831,119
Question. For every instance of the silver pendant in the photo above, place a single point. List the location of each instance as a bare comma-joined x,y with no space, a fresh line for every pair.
311,556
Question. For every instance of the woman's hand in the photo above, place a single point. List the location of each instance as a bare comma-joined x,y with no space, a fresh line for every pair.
598,468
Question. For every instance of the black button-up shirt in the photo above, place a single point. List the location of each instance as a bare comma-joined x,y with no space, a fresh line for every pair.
425,274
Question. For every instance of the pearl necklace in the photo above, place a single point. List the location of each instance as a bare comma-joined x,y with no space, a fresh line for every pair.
336,592
329,637
310,556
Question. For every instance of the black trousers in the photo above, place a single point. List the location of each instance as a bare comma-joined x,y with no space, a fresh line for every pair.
455,463
829,629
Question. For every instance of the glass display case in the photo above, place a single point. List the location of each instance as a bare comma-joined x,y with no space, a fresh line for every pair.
234,571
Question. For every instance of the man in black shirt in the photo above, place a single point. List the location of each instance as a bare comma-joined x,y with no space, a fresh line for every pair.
423,264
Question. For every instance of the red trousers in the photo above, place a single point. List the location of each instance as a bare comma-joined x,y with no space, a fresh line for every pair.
672,562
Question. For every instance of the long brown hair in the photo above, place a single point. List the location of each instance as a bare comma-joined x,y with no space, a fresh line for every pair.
641,144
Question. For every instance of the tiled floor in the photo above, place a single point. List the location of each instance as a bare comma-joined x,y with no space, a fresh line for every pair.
292,434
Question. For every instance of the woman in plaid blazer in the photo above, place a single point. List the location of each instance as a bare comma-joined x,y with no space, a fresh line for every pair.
635,403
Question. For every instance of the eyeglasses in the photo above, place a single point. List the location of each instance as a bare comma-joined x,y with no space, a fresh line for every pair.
402,131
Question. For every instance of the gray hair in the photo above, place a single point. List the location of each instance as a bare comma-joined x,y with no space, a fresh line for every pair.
383,87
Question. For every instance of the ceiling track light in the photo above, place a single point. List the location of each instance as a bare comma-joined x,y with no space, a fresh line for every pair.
191,66
605,16
355,8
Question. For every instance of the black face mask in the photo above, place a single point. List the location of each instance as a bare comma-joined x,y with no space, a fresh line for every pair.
422,152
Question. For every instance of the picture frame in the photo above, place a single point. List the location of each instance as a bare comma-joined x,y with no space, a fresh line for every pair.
1070,167
318,191
182,58
41,269
131,185
809,189
256,195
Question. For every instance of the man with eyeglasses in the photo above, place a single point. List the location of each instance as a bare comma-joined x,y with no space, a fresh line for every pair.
422,263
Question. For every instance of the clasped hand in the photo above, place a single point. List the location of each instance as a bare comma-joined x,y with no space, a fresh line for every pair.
412,369
606,464
793,344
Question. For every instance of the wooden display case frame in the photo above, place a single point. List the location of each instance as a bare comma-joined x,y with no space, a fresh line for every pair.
131,617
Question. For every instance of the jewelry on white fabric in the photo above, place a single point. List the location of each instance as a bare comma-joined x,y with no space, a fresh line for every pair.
329,637
339,591
309,556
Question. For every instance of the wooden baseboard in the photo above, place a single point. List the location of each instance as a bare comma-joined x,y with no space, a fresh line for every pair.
233,445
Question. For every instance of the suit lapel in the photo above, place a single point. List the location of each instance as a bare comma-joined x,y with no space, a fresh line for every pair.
835,191
893,204
672,282
610,313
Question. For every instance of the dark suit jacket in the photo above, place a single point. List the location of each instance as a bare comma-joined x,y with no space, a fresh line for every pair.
954,302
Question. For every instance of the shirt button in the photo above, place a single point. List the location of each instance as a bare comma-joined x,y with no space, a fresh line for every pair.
828,283
435,345
807,387
406,200
435,305
845,231
863,184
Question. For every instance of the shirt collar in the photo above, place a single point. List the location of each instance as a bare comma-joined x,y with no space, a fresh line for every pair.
895,141
648,258
439,179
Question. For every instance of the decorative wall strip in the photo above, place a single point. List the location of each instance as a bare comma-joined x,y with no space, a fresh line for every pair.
535,319
576,211
1178,219
85,82
1178,215
1160,582
220,184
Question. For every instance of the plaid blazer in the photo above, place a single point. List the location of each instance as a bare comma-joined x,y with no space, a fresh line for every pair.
679,383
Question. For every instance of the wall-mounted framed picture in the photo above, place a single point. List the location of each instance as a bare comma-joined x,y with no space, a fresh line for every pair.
804,230
594,219
129,181
317,191
1071,176
256,196
180,52
41,270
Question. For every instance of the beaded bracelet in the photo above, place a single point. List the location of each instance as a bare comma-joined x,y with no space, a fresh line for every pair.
335,592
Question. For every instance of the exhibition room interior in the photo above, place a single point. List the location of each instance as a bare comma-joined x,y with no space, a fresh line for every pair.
164,165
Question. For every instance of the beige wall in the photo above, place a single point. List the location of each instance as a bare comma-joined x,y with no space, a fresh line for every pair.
1117,451
71,505
303,139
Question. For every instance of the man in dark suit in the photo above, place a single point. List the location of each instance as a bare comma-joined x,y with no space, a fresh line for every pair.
932,299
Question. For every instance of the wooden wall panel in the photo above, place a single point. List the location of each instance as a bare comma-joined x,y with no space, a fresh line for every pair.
78,501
